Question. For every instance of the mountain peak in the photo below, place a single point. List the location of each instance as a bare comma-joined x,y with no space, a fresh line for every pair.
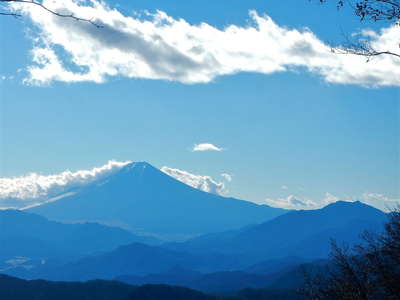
140,197
345,209
348,204
140,165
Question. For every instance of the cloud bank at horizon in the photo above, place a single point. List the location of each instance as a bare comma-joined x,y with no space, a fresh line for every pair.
157,46
377,200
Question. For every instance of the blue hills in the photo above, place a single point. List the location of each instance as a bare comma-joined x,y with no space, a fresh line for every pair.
16,289
32,236
248,254
304,233
237,244
140,197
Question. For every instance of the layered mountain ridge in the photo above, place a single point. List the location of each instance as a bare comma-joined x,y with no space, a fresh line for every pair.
303,233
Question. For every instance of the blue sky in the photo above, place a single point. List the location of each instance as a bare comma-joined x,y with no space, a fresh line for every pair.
288,128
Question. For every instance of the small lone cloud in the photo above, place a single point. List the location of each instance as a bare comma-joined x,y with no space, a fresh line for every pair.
284,187
206,147
227,177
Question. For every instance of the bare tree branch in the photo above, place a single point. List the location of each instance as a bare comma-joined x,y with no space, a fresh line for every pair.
375,10
368,54
32,2
9,14
361,48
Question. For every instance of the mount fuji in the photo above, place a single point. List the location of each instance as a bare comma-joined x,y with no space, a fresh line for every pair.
141,198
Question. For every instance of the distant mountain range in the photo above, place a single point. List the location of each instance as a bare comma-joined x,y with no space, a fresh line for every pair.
134,259
140,197
32,236
248,254
237,244
16,289
304,233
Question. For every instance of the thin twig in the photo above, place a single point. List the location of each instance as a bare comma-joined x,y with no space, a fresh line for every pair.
72,16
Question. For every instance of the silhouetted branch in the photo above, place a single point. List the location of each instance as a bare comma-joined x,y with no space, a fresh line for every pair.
375,10
361,48
32,2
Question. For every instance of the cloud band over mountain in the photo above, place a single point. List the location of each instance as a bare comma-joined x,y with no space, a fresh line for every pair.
35,188
294,202
157,46
204,183
32,189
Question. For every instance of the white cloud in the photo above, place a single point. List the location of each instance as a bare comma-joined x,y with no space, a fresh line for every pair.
284,187
201,182
34,188
291,202
6,77
380,201
295,202
329,198
158,46
206,147
227,177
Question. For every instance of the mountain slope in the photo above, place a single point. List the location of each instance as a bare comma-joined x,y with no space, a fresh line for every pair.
297,233
12,288
142,198
16,289
35,237
220,282
134,259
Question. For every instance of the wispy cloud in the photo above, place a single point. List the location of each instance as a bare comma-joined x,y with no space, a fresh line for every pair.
6,77
206,147
284,187
380,200
35,188
227,177
157,46
294,202
329,198
201,182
